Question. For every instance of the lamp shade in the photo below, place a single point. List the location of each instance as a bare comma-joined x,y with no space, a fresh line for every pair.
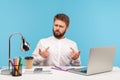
24,46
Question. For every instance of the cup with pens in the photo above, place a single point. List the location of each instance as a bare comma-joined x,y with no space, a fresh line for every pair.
16,66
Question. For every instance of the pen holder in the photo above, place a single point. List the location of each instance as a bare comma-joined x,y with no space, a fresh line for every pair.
17,70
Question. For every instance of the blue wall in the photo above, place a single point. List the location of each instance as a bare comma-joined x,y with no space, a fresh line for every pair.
93,23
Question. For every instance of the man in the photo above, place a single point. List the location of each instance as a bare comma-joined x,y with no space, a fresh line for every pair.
57,50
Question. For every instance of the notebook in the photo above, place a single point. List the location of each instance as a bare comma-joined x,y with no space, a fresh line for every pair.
101,60
62,68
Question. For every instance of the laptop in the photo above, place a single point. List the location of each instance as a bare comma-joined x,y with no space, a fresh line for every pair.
101,60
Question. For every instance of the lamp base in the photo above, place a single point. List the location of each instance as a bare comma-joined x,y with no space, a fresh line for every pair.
5,72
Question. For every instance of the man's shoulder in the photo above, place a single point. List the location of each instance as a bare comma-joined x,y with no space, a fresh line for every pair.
46,39
70,41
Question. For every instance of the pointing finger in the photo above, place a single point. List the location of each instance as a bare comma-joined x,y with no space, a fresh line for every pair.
39,50
78,52
72,50
47,49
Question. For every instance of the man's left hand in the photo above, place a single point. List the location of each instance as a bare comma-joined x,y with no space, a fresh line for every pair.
75,54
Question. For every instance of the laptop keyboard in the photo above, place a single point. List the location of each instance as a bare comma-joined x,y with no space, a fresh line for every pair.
83,70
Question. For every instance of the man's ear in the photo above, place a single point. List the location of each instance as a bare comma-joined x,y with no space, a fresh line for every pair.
67,27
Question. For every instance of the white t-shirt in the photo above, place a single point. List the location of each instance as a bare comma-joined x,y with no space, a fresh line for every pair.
59,52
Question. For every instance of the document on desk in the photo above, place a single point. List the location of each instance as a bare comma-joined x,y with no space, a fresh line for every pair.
62,68
38,71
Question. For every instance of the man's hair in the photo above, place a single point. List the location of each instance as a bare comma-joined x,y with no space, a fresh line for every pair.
62,17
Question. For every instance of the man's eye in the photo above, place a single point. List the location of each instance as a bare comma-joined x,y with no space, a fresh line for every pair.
56,25
61,26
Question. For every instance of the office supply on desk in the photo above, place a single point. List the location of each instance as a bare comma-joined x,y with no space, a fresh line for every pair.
100,60
16,68
24,47
20,63
16,71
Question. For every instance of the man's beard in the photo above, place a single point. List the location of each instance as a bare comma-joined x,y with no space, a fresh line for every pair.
59,36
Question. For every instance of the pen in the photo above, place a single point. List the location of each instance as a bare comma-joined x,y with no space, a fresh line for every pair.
16,65
20,66
20,61
11,63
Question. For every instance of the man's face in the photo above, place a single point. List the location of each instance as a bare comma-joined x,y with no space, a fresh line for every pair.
59,29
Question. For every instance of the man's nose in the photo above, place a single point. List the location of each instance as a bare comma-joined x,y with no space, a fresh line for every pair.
58,27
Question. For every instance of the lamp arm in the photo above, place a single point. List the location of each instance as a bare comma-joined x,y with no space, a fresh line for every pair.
10,45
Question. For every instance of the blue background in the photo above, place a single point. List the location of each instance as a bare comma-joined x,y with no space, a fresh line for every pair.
93,23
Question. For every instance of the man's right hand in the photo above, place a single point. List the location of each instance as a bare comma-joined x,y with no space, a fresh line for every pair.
44,53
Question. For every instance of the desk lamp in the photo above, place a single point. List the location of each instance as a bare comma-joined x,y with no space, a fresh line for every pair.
24,47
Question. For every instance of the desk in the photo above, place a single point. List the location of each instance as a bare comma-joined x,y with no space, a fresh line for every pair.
64,75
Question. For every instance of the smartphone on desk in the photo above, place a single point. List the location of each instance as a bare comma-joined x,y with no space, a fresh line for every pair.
38,69
41,70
